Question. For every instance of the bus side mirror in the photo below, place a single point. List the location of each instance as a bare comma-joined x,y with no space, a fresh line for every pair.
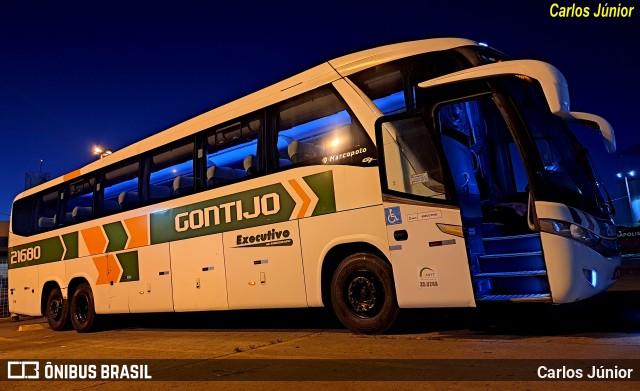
553,83
596,123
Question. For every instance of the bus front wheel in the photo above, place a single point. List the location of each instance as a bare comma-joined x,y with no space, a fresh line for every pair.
57,310
363,294
83,311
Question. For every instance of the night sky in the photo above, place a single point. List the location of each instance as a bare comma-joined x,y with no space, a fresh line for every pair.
72,76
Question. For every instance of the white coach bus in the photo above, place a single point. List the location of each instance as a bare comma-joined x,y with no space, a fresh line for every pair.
434,173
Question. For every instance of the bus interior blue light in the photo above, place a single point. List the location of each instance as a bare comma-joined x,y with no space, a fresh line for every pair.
392,103
313,128
233,156
82,200
115,190
171,172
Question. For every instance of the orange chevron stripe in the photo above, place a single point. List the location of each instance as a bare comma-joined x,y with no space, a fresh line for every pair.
138,231
95,240
103,270
113,267
71,175
306,201
108,269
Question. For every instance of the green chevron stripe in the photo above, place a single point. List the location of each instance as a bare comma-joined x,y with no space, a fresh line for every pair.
71,243
130,268
116,235
322,185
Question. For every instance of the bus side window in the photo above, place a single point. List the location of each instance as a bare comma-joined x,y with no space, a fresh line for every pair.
120,189
317,128
78,205
171,173
46,210
383,84
231,151
22,218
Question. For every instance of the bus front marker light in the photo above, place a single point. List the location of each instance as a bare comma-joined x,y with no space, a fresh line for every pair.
591,276
569,230
583,235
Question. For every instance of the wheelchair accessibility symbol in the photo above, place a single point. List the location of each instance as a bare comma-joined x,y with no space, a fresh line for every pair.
393,216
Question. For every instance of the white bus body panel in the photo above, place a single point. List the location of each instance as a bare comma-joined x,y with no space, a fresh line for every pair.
54,271
431,268
265,276
108,298
567,260
352,63
24,291
198,274
153,292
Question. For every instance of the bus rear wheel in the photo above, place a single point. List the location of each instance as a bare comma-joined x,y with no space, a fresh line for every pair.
83,311
363,294
57,310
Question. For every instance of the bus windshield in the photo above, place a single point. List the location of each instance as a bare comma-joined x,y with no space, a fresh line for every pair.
566,172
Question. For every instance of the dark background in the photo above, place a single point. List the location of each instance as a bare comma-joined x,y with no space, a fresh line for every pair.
72,76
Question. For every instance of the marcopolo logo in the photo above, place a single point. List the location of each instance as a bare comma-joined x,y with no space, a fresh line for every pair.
268,239
335,158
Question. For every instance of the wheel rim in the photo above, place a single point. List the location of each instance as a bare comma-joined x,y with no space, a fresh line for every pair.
55,308
365,295
81,309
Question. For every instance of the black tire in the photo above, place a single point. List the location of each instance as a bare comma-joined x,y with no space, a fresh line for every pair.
363,294
57,310
82,310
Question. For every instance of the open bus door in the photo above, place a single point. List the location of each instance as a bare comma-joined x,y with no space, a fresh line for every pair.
424,226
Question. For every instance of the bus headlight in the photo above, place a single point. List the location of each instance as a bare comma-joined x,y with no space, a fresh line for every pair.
569,230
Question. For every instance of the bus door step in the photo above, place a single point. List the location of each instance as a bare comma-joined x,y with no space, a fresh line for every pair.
528,297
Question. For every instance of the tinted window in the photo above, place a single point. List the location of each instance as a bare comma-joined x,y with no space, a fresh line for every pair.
392,86
46,211
78,205
171,173
232,150
21,218
383,85
317,128
120,188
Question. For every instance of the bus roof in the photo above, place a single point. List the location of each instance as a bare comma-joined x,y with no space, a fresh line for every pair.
305,81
